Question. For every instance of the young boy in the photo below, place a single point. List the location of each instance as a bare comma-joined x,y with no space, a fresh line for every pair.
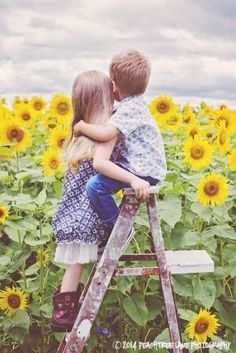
141,157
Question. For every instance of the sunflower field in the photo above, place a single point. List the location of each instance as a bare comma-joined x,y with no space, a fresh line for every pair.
197,206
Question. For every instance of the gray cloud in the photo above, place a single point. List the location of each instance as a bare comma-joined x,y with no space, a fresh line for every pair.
44,44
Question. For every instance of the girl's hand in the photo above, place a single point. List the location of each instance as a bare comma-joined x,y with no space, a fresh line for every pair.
78,128
141,188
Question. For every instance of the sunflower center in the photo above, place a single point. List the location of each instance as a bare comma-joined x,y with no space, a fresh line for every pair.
1,213
163,107
223,106
62,108
60,142
193,132
26,116
209,134
15,133
187,119
201,326
54,163
197,152
14,301
222,138
52,125
224,119
211,188
38,105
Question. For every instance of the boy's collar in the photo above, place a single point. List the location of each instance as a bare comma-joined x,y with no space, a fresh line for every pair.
126,99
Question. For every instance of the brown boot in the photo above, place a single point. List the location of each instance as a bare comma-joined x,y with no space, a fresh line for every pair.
65,310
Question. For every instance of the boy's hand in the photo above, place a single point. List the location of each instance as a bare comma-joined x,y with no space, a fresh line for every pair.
78,128
141,188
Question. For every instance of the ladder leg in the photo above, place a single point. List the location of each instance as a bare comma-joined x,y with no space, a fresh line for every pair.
102,277
164,275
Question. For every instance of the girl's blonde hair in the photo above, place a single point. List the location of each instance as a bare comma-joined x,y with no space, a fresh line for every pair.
92,100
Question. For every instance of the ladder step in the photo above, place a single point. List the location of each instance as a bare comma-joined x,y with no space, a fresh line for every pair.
137,271
179,261
152,190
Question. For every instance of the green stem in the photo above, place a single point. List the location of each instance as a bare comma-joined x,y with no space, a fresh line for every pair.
17,162
145,339
23,265
222,259
41,289
234,287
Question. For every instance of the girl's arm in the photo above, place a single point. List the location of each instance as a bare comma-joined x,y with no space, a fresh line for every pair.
103,165
100,133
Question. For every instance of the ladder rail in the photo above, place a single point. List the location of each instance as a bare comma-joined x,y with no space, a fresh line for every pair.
164,275
102,276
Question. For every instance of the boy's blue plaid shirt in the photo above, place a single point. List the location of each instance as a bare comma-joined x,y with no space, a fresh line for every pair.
140,146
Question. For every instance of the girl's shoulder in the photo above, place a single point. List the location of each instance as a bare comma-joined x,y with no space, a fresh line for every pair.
85,171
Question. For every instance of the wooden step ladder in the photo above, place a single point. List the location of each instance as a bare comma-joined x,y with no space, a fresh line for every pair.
168,263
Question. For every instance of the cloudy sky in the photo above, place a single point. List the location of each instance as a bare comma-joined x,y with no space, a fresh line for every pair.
191,43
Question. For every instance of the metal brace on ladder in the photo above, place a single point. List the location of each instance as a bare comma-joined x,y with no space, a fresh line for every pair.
168,262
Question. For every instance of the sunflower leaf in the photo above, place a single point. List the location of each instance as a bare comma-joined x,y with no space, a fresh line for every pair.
223,231
170,210
204,291
135,306
202,211
41,198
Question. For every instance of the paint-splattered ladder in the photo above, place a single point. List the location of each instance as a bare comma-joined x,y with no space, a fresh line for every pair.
168,262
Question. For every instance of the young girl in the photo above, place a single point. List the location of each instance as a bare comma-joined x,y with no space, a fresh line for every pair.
78,229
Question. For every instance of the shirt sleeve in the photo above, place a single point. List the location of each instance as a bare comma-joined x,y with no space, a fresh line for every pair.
124,120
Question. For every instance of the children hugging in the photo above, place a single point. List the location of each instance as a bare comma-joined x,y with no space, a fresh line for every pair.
108,149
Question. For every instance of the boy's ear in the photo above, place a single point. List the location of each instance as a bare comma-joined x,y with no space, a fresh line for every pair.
114,88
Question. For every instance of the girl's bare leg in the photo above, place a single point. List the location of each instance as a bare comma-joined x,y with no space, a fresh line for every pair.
71,278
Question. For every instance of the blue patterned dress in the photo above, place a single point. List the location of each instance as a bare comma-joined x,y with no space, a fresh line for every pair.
77,227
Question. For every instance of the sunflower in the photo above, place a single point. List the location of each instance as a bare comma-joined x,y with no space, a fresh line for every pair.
12,299
4,112
209,133
206,110
25,101
17,100
162,107
203,325
12,133
51,162
61,107
232,160
49,121
226,116
38,104
223,138
212,190
223,106
189,116
57,137
197,152
42,256
119,194
3,214
173,121
194,130
26,115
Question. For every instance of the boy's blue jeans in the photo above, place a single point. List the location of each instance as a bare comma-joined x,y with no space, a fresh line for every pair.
99,189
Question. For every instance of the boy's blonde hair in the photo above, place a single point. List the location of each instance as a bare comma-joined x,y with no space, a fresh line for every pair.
92,100
130,70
